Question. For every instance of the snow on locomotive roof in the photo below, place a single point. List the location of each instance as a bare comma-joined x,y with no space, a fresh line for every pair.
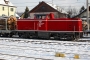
3,3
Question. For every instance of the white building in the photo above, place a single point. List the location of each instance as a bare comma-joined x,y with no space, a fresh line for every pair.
7,8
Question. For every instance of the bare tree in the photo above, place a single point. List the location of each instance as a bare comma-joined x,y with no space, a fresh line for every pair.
72,12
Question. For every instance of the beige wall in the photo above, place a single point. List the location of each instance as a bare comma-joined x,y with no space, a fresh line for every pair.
84,14
89,2
32,14
5,11
55,14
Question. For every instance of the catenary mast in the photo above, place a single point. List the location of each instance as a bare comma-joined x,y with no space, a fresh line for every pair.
87,13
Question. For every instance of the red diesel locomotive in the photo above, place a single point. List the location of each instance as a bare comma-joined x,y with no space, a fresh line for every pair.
48,27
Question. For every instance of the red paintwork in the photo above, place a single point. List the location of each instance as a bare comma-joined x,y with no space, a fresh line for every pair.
24,24
65,25
50,24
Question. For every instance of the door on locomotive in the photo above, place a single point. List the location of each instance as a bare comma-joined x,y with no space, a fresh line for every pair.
42,25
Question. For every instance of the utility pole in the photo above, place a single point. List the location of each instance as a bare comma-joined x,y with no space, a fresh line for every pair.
87,14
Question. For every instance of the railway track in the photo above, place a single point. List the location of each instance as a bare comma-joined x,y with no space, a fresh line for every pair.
32,49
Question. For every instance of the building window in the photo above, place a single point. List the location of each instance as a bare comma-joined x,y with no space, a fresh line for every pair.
3,8
12,9
43,7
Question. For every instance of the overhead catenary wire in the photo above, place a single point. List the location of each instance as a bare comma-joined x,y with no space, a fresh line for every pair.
17,4
55,4
47,2
33,4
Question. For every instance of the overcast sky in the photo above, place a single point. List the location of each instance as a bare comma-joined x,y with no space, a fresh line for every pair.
21,4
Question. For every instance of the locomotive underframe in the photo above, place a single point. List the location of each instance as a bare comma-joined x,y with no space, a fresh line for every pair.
48,35
5,33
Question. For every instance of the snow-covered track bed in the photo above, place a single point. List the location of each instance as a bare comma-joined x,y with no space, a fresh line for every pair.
32,49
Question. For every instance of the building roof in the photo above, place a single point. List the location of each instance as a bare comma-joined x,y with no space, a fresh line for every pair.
51,8
17,15
2,2
85,10
57,8
20,14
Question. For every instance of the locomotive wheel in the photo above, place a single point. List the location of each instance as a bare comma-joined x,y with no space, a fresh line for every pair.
10,35
5,35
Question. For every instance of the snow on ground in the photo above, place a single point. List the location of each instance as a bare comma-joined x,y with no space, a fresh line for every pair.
29,49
